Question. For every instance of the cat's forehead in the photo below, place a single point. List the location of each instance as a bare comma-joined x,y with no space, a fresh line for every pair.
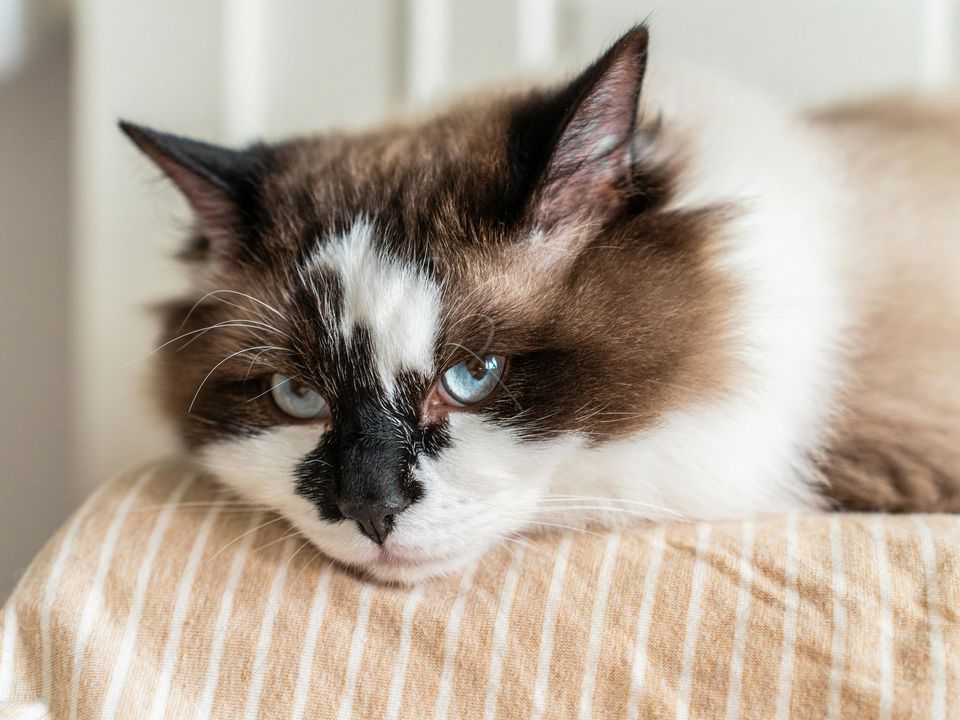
388,315
429,189
362,288
405,235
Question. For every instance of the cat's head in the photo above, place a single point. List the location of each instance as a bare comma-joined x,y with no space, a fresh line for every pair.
399,338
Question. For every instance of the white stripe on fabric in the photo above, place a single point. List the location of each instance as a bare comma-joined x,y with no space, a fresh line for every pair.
124,656
445,689
837,645
91,607
181,604
938,656
357,645
318,608
885,621
500,628
692,630
224,615
53,584
549,623
274,596
651,578
25,711
791,605
403,654
596,624
741,621
7,651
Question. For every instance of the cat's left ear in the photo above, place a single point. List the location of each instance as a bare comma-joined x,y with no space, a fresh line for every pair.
591,160
220,184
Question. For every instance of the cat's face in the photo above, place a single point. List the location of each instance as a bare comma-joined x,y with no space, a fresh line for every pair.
400,339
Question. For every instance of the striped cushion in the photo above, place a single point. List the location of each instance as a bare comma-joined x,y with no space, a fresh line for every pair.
163,598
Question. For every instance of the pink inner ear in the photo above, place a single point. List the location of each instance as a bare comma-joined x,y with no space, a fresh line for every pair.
215,213
592,156
206,175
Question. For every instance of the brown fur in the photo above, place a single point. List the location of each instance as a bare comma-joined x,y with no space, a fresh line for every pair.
603,301
638,292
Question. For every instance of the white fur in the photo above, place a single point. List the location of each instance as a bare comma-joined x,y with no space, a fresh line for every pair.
745,453
473,496
397,303
750,452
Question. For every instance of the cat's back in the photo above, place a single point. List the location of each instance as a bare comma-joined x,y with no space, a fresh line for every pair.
900,177
899,439
899,194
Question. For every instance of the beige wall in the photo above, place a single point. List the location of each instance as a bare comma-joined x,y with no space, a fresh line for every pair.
35,488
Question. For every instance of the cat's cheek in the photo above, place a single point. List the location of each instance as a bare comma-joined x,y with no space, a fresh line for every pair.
262,469
485,485
484,457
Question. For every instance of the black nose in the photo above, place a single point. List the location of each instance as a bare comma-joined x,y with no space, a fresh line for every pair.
375,517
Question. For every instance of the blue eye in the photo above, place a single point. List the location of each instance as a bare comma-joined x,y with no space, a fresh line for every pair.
296,399
472,380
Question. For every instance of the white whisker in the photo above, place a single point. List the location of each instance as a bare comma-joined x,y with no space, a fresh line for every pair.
215,293
499,381
253,362
607,508
271,389
235,322
243,535
599,498
228,357
198,332
566,527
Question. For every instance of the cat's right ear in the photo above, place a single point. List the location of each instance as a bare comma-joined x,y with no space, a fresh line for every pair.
220,184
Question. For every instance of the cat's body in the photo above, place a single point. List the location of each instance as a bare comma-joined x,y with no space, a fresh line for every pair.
896,445
707,308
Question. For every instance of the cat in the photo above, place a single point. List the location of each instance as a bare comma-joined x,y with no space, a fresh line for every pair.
631,296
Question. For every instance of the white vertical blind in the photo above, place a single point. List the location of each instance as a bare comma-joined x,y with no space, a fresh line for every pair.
428,48
235,70
937,42
536,34
244,71
13,31
145,62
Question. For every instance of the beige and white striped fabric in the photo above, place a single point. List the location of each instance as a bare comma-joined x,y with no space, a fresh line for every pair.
161,598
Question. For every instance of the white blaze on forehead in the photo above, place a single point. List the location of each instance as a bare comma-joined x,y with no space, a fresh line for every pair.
396,302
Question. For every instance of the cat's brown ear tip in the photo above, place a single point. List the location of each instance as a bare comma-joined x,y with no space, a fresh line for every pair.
634,41
639,33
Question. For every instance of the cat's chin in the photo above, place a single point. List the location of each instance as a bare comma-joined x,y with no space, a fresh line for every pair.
390,564
395,569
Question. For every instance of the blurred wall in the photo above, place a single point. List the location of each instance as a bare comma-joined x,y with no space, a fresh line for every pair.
36,491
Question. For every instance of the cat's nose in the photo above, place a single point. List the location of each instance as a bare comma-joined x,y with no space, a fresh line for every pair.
375,517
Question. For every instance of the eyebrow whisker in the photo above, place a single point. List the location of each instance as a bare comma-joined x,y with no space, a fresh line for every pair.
228,357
